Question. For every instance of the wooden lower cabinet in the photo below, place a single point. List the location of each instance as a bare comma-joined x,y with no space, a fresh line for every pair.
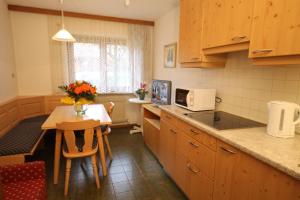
227,159
240,176
200,186
151,137
168,147
215,170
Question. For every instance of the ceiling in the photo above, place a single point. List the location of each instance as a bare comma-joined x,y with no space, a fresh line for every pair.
138,9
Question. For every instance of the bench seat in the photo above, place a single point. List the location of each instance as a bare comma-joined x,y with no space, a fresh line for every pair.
23,138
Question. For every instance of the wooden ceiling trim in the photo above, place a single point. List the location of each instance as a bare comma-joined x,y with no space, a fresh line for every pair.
78,15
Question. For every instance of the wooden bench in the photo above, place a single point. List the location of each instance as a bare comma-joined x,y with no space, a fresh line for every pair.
22,140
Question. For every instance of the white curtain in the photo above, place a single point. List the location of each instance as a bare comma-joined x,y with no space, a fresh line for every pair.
115,57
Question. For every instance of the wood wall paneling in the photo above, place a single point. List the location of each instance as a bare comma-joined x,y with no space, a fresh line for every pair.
78,15
31,106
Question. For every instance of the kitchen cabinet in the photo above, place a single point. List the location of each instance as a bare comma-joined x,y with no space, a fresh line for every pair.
168,144
227,159
275,37
256,180
227,25
201,187
207,168
151,135
190,39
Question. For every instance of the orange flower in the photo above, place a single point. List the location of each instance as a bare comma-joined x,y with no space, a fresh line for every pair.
78,90
93,90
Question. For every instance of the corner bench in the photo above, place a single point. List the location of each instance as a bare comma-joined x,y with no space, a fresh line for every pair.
21,140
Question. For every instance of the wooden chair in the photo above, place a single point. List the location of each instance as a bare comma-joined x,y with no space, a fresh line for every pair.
106,129
74,148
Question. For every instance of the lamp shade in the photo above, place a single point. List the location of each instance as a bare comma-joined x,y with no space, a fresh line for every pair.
63,36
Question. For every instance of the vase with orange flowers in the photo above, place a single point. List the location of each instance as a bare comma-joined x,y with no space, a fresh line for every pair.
79,93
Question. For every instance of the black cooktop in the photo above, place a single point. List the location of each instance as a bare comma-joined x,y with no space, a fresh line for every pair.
222,120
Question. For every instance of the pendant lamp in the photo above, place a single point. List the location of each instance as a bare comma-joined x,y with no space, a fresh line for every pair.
63,35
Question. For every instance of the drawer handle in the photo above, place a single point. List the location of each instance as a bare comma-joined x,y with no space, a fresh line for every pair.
195,58
262,51
237,38
193,144
194,132
191,169
228,150
172,131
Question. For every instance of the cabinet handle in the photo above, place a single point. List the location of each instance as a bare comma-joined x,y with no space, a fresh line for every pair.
262,51
194,132
238,38
173,131
191,169
195,58
193,144
228,150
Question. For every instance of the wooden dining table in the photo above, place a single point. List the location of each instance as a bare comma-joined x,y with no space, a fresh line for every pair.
67,114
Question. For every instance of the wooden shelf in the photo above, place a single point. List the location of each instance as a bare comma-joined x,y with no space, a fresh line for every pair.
154,122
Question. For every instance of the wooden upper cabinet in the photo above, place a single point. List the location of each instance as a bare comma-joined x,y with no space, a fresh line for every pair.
227,25
276,29
190,31
190,39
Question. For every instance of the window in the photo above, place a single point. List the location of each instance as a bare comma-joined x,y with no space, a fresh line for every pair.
104,62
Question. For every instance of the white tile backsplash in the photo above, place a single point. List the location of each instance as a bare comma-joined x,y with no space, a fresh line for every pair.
246,89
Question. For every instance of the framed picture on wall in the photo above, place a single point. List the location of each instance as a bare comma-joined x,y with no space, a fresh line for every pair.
170,55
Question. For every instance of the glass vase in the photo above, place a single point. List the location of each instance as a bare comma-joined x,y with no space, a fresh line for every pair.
79,109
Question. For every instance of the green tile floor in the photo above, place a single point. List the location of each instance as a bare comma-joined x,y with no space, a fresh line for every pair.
134,174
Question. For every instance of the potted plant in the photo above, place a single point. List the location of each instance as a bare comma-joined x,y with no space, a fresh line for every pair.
142,91
79,93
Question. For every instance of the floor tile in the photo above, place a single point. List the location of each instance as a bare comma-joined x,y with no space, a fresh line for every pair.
133,174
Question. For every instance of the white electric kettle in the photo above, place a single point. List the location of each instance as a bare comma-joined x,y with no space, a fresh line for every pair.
283,117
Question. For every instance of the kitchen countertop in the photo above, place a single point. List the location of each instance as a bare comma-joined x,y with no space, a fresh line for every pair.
283,154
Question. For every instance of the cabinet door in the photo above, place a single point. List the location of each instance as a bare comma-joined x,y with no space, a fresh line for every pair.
171,151
147,135
168,138
164,131
181,173
227,22
276,28
200,186
256,180
227,159
190,31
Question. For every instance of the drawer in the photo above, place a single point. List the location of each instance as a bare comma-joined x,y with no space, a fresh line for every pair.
193,132
200,136
186,145
204,159
169,118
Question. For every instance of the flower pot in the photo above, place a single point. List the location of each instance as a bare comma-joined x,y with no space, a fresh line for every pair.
142,96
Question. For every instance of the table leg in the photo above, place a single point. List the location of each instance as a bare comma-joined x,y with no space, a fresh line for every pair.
57,152
138,129
101,151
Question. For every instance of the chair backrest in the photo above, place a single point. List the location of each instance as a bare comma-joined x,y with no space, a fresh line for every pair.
89,128
110,109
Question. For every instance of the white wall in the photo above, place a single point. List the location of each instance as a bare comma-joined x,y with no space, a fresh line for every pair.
8,82
244,88
36,56
31,44
167,32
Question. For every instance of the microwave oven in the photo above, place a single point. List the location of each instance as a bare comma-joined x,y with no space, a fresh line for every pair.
196,99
